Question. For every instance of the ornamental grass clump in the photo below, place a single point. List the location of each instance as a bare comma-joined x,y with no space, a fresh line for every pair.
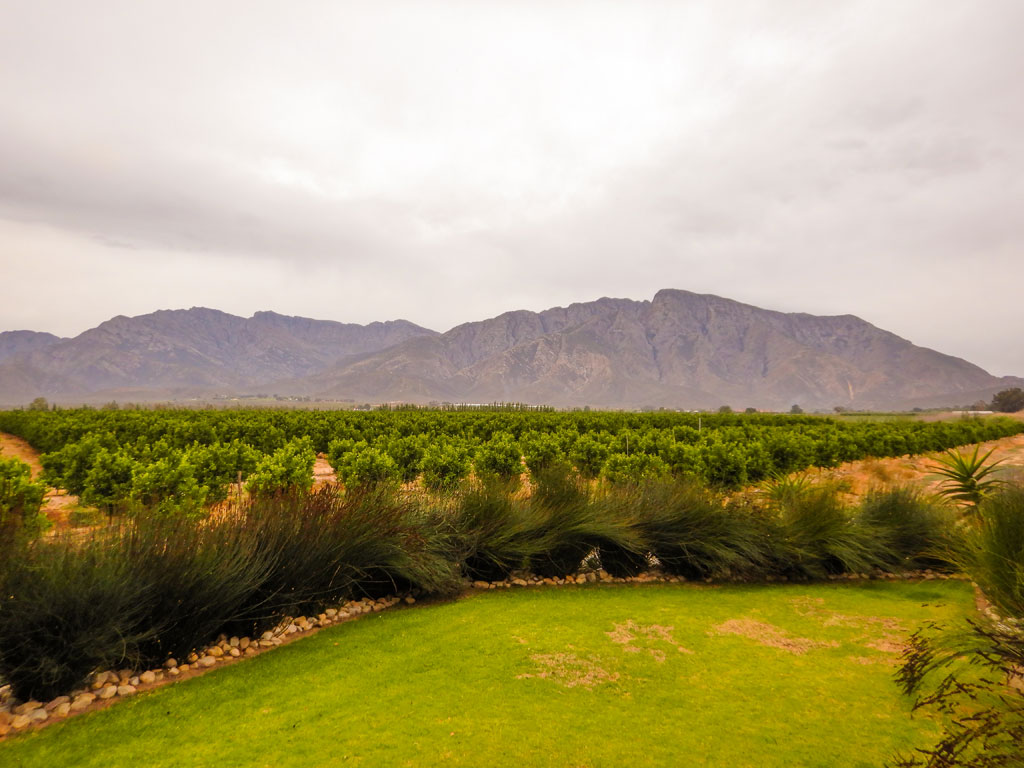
913,530
198,579
295,534
413,554
327,546
992,550
572,526
494,532
630,556
819,537
156,588
67,609
693,533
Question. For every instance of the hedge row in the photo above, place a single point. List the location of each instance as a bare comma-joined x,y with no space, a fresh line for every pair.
180,461
159,587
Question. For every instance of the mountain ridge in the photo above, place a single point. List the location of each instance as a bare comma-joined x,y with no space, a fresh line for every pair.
14,343
197,350
677,349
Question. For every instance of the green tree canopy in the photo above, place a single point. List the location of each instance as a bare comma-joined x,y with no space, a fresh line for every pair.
1009,400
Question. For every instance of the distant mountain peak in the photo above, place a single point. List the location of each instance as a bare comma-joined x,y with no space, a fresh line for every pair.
680,349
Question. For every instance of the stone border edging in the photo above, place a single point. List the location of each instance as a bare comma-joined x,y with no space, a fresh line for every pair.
106,687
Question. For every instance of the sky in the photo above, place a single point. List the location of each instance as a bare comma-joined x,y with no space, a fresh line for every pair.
444,162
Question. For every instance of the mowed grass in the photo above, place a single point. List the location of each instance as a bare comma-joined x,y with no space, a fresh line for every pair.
597,675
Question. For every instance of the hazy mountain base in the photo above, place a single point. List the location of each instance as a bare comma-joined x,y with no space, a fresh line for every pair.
680,350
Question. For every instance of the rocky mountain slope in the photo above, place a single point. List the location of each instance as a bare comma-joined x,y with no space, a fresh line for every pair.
23,342
681,349
191,352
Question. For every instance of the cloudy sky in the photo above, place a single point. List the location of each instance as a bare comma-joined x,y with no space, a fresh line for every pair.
447,161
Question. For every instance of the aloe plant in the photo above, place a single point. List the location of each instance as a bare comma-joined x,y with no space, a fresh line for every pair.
967,477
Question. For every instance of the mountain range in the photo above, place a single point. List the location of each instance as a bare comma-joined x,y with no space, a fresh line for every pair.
678,350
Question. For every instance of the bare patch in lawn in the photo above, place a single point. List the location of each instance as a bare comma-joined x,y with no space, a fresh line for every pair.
882,633
570,670
635,638
772,636
888,644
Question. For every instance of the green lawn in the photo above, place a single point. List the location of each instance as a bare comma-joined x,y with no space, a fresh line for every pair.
597,675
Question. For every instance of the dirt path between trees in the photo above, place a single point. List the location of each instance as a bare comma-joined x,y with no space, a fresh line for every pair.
57,505
323,472
12,447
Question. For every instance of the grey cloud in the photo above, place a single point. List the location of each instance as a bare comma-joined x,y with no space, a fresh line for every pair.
446,162
177,203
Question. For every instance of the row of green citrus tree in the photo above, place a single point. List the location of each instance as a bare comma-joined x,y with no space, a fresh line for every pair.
787,438
181,461
20,501
165,480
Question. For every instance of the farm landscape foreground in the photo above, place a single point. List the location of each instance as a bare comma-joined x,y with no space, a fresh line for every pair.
509,585
548,384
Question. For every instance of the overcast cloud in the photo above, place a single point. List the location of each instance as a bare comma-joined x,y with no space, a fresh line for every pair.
448,161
